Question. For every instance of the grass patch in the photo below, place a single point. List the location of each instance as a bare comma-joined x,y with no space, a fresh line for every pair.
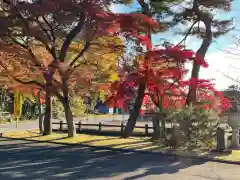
135,143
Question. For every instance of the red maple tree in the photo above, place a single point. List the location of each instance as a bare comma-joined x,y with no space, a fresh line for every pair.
163,73
43,23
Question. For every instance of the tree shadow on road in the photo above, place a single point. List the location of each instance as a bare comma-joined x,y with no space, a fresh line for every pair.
29,160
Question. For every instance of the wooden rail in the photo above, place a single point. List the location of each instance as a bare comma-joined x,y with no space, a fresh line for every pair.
100,126
220,136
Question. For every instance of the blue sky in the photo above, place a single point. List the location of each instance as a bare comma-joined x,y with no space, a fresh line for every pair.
218,60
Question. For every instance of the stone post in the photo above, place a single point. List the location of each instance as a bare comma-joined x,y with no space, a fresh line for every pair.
235,139
234,123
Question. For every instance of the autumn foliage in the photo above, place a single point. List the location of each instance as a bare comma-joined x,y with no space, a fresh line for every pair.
68,47
163,71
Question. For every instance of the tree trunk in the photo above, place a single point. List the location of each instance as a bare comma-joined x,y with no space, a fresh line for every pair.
135,111
159,131
69,117
47,130
192,93
134,114
41,115
156,129
40,120
67,108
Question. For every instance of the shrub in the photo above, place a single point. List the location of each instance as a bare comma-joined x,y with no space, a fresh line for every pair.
194,128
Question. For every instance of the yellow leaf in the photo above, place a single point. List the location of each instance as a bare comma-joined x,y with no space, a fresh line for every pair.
114,77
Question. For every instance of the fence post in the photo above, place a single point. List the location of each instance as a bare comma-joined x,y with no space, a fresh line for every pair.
79,126
61,125
100,126
122,127
146,129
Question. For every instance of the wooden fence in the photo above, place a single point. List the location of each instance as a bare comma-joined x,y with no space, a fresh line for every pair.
223,138
100,126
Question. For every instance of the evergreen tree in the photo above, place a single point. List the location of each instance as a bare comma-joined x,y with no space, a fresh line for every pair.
204,24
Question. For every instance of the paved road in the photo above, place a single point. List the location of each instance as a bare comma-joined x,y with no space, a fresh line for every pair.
25,160
22,126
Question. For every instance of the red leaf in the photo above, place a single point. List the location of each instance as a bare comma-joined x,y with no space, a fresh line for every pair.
188,54
199,60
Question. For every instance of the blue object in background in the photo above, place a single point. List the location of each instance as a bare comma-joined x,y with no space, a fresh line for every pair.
103,109
98,103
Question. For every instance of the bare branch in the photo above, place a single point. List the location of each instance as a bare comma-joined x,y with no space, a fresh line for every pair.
26,26
229,77
32,82
188,33
43,29
51,29
86,46
34,58
71,35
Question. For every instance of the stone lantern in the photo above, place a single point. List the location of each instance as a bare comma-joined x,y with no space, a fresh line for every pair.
234,123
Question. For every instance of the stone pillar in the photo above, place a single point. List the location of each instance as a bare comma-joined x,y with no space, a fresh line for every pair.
235,139
234,123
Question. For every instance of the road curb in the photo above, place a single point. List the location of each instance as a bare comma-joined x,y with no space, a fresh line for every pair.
169,155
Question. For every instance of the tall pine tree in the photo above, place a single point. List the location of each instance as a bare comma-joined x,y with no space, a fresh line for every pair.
204,24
